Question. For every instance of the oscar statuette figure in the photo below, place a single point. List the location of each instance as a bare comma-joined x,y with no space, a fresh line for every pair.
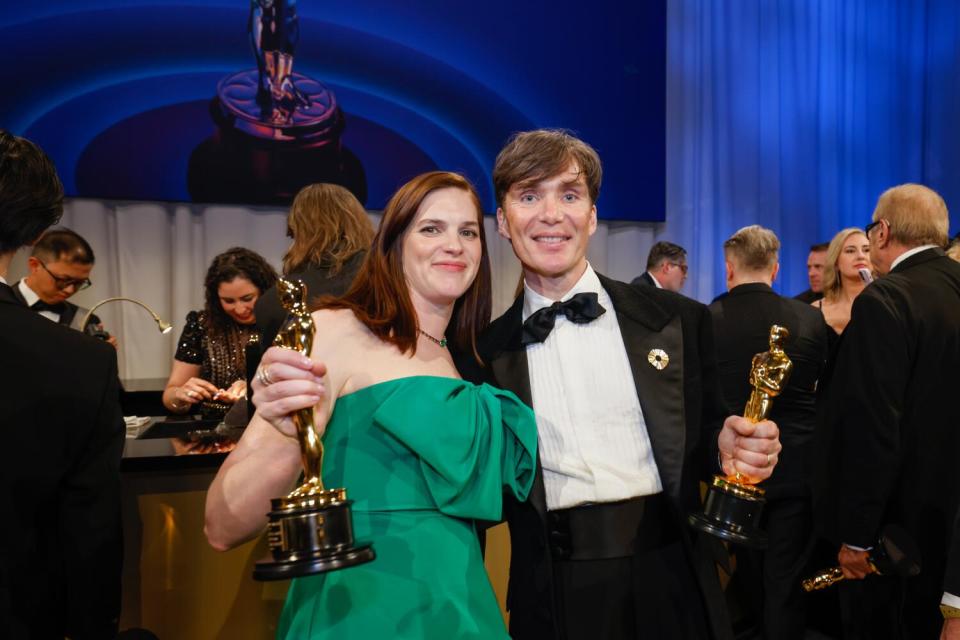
311,529
734,503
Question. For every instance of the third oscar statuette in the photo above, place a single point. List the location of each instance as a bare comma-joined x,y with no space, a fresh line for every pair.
734,504
311,529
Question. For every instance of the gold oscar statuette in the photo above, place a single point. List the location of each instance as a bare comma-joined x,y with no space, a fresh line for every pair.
734,503
311,529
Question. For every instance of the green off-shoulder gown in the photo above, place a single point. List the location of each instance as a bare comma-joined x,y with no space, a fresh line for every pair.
420,457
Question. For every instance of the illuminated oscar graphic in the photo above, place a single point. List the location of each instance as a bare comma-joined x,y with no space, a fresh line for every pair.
277,130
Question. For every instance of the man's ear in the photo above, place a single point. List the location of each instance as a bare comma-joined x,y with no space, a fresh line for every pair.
502,227
776,271
33,264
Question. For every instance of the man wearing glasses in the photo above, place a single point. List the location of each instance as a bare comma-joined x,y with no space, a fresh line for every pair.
893,423
60,266
666,267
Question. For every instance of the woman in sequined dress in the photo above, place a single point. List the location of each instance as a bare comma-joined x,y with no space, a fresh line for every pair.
209,367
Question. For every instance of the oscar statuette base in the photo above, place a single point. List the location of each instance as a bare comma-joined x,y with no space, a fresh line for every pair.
732,512
311,534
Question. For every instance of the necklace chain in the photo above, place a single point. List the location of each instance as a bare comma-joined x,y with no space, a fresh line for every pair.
441,342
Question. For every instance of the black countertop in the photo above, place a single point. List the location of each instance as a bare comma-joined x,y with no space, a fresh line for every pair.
170,444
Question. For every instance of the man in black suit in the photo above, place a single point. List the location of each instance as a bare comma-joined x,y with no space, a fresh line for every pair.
59,266
623,382
892,408
742,318
816,260
666,267
63,433
951,584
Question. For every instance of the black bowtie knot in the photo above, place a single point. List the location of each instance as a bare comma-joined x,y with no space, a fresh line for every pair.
40,305
581,308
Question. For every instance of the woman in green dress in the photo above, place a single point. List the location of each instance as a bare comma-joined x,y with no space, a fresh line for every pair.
421,452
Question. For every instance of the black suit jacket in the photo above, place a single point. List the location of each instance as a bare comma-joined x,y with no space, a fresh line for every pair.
645,279
270,313
63,435
808,296
892,405
681,406
69,315
741,324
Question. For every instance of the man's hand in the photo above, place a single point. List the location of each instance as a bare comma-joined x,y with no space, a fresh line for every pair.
285,382
854,563
749,448
951,629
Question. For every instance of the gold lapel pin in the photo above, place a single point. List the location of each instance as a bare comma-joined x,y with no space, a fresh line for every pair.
658,359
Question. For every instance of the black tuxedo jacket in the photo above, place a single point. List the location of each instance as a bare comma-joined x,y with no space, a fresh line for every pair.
645,279
741,324
892,405
63,434
683,411
69,315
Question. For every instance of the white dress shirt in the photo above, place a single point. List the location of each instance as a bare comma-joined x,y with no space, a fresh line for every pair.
655,281
30,298
593,439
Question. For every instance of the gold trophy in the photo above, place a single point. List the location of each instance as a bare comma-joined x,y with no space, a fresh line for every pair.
734,504
311,529
894,554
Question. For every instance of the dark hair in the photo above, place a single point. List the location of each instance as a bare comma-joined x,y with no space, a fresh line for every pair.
531,156
31,195
820,246
328,226
63,244
665,251
379,296
233,263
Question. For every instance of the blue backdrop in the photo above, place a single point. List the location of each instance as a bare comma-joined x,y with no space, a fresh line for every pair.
796,115
117,91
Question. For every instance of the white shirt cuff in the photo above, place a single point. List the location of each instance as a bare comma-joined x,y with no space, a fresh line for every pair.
856,548
950,600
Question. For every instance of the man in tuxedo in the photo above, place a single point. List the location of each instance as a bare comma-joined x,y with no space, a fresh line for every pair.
892,411
63,434
742,318
623,383
666,267
816,261
59,266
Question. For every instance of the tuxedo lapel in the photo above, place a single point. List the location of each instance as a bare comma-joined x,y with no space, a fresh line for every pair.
645,327
511,372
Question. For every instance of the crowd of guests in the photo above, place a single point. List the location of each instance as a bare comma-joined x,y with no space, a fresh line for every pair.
586,416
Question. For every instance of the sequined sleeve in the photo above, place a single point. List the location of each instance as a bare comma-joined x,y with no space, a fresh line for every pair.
189,346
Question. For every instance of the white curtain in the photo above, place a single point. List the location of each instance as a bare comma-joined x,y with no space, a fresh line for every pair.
159,252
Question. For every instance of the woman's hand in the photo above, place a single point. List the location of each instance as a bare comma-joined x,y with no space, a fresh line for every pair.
195,390
286,382
234,392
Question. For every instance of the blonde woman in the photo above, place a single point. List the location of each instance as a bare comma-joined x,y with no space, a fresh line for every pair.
848,253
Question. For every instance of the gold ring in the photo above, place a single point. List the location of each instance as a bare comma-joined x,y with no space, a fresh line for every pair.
264,376
768,459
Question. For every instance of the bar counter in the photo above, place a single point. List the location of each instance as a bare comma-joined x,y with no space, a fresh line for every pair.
174,583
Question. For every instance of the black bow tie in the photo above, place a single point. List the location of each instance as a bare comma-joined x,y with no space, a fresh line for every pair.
581,308
40,305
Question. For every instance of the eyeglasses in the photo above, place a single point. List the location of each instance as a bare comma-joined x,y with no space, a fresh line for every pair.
62,282
682,265
867,229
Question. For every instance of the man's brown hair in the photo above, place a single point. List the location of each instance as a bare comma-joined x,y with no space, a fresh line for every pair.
532,156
